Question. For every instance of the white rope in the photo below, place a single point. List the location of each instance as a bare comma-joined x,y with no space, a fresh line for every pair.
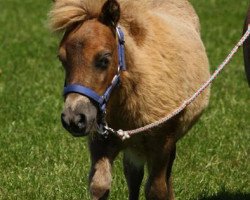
127,134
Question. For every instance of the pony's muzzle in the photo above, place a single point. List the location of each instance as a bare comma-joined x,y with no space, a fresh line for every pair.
74,123
79,115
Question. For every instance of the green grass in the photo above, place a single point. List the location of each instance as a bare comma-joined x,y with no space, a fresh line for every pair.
39,160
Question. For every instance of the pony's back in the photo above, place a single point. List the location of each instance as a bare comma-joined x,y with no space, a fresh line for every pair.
182,10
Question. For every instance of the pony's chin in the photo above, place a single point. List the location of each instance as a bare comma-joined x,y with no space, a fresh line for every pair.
91,130
78,134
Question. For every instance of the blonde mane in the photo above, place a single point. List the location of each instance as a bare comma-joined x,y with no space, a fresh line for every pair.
65,13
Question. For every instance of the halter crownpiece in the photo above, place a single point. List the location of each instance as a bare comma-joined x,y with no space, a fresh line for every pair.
121,49
101,101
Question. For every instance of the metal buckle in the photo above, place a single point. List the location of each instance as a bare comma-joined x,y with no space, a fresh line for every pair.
103,131
101,126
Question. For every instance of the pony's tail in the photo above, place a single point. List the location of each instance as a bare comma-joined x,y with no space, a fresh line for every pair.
246,47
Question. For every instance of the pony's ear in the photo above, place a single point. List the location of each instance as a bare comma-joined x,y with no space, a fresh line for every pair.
110,14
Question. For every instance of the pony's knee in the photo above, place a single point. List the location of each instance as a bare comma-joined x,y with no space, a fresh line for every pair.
99,188
100,181
99,192
156,191
154,195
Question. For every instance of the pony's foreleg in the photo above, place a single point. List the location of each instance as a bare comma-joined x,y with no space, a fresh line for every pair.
103,152
160,162
134,175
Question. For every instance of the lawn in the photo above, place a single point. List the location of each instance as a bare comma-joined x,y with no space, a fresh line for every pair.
39,160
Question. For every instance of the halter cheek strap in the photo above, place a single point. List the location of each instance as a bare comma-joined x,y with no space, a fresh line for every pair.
102,100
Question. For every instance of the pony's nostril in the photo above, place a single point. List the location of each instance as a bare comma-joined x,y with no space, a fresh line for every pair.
74,122
81,121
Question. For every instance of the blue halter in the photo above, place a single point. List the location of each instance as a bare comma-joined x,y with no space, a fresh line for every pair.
101,101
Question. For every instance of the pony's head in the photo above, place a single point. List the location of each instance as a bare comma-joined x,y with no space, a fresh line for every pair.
89,55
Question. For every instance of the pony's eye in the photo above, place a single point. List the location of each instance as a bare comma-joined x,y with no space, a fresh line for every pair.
103,61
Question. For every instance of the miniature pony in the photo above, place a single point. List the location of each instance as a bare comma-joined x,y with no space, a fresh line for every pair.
165,63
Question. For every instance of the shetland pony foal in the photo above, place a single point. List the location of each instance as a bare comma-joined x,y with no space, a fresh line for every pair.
166,62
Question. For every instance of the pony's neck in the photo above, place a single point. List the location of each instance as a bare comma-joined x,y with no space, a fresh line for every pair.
130,76
121,99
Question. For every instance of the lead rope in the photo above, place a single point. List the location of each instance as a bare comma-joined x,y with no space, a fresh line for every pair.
127,134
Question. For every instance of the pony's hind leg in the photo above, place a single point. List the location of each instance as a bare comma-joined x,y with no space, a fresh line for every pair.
169,177
134,175
160,160
103,152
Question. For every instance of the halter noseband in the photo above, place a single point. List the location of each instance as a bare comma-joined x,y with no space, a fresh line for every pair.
101,101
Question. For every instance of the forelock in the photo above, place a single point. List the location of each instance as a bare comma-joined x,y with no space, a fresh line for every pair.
65,13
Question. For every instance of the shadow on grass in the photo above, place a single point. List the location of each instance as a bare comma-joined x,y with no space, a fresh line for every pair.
227,196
